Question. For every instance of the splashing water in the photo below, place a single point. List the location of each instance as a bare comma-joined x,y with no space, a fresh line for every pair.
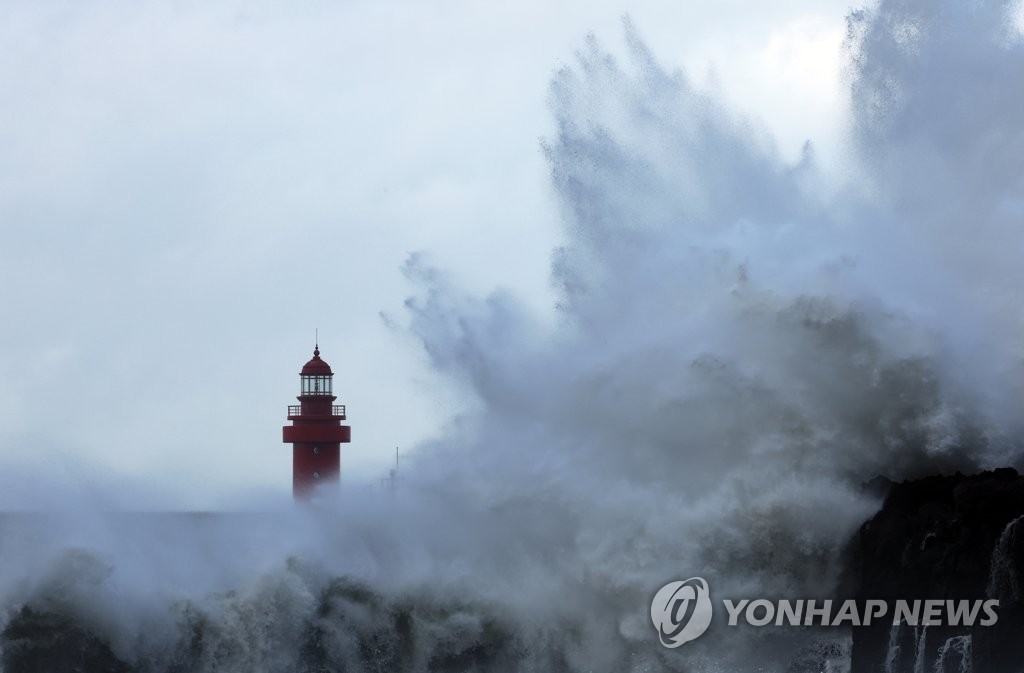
892,651
920,648
954,656
737,347
1005,582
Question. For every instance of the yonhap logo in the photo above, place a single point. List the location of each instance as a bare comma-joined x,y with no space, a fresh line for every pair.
681,611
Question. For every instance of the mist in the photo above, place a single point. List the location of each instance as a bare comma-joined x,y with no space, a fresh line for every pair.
739,343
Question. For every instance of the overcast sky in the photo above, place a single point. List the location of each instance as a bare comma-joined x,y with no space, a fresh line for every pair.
189,189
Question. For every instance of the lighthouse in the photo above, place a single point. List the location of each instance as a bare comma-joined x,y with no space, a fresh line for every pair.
316,433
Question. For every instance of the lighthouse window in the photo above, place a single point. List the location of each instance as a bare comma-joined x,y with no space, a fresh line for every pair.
316,449
316,385
316,475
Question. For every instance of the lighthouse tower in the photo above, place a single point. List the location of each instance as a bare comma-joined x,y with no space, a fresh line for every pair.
316,432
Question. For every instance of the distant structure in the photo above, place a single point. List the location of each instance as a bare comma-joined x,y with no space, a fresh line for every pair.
390,482
316,433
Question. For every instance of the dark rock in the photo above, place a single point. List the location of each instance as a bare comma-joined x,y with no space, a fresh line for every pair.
935,538
878,486
34,642
821,655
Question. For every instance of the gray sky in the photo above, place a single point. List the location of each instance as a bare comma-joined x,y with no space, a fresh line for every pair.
188,189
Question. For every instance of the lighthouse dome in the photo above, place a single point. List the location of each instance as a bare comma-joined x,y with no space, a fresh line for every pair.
316,366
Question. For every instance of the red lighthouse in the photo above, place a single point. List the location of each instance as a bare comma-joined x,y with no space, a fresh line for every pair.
316,432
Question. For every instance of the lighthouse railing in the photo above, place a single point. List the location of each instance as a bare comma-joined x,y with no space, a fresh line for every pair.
336,410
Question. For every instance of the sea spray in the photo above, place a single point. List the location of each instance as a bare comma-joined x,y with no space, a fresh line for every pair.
734,352
892,650
954,656
1005,581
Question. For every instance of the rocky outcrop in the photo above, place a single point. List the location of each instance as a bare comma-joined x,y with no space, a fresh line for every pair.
952,538
43,641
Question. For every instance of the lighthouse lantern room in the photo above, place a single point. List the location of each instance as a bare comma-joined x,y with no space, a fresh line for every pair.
316,433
